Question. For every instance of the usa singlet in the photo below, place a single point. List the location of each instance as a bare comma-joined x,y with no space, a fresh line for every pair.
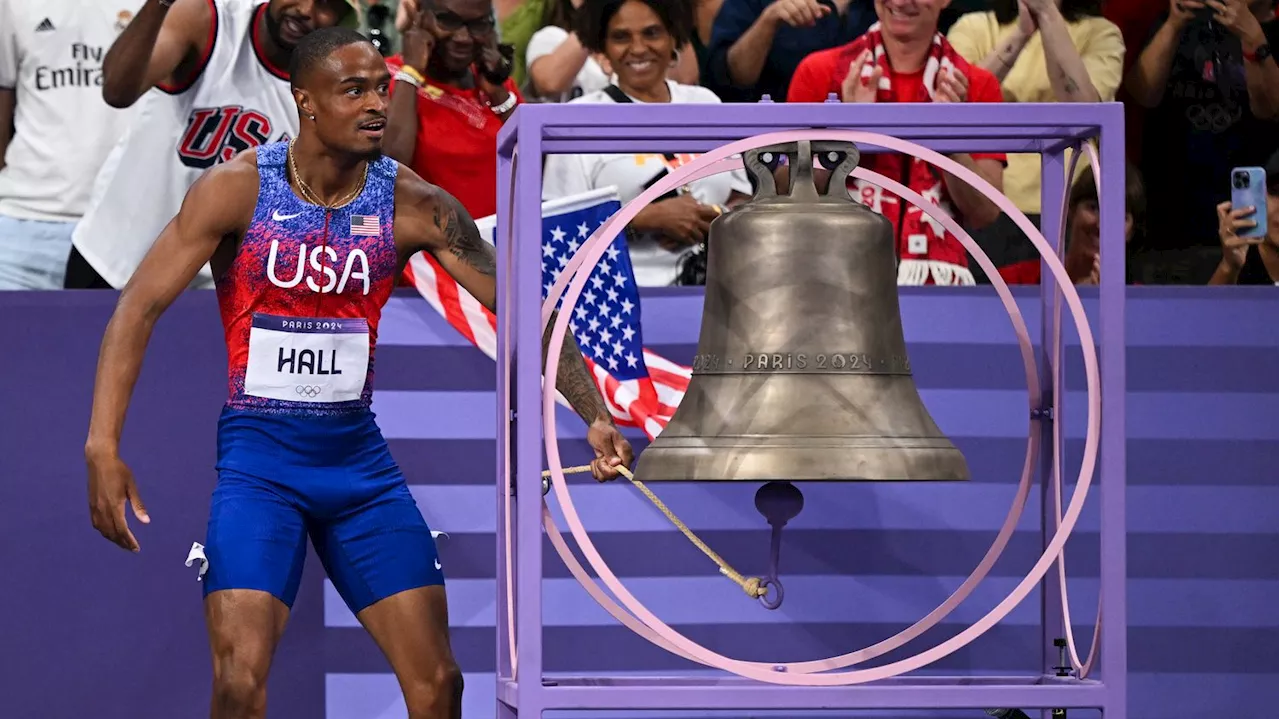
299,453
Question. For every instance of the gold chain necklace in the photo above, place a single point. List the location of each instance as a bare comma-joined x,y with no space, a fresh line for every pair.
310,195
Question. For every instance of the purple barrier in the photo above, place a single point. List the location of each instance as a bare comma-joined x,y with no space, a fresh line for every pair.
92,631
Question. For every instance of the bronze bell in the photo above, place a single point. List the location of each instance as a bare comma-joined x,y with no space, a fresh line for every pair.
802,370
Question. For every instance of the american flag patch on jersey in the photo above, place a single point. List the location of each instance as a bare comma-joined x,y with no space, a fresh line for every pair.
365,225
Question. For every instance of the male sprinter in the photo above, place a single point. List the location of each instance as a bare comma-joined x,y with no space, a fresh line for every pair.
306,241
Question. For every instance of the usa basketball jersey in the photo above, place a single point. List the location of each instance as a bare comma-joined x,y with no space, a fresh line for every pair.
301,300
236,101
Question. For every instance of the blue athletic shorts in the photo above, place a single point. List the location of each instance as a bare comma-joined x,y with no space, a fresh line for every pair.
283,478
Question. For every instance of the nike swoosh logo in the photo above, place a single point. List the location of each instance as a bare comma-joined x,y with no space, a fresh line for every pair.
281,218
437,564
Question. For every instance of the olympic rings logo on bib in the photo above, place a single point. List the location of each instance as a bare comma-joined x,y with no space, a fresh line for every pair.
306,390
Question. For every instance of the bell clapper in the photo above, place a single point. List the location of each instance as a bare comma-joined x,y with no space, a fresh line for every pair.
779,503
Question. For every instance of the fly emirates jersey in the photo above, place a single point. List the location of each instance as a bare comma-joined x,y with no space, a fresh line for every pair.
301,300
236,100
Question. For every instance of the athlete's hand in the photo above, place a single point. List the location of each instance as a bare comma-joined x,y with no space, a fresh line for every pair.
612,450
111,486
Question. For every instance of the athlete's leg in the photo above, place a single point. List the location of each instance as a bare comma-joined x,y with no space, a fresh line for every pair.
256,547
412,629
381,558
245,625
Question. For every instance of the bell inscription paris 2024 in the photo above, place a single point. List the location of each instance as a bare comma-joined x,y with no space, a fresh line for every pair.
802,372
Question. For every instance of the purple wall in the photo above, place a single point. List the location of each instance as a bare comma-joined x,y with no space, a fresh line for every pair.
88,630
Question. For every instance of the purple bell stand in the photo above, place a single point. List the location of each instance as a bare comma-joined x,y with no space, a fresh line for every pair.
931,131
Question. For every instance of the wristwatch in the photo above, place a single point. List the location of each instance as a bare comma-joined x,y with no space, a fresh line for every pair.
1262,53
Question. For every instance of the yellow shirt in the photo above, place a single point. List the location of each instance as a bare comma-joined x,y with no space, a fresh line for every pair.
976,35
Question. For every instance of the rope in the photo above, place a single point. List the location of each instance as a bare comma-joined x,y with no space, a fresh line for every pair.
753,586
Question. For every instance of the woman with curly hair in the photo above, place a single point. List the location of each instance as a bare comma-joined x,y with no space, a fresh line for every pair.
638,39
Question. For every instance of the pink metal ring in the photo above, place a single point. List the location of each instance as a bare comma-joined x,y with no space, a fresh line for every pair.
591,253
1082,668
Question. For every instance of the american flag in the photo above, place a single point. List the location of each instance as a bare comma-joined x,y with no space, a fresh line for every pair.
365,225
641,387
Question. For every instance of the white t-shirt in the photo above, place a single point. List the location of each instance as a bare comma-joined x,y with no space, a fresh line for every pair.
589,79
567,175
51,55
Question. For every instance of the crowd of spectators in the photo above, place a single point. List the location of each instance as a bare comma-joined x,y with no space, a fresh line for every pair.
1198,79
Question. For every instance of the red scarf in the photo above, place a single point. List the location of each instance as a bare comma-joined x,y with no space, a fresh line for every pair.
927,253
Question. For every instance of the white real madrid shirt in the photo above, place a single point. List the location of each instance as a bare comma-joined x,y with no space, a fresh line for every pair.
51,55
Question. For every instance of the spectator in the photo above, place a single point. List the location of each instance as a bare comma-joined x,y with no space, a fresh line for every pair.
637,37
1084,231
903,58
1134,18
756,45
516,22
220,68
560,68
1246,260
704,17
1209,76
452,93
1041,51
50,61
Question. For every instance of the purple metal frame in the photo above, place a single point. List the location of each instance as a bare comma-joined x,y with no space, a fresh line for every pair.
1048,129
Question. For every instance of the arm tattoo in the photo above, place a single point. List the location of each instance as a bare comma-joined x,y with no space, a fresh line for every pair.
464,241
461,234
1008,56
572,378
1069,86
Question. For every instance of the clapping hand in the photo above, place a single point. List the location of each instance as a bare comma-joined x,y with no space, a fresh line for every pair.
855,87
952,86
1027,24
1039,7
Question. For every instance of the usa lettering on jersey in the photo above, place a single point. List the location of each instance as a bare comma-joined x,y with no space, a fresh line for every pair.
217,134
355,266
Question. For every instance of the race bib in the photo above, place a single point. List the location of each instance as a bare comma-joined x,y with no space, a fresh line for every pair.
307,359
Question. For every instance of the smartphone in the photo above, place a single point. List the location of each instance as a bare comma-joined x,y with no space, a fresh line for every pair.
1249,189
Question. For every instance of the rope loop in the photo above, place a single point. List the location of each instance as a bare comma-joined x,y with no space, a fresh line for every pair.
753,586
